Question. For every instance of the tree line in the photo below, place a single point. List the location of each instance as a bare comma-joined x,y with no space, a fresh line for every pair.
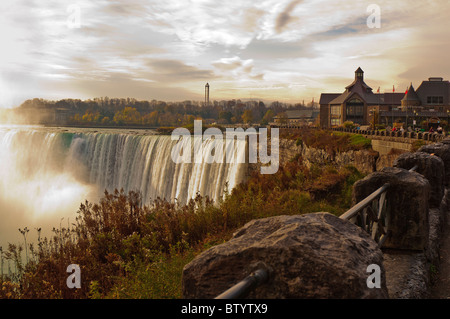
130,111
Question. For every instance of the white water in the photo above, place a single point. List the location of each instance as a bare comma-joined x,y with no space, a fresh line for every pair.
46,173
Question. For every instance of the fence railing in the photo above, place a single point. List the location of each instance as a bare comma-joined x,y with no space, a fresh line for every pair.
415,135
244,287
372,214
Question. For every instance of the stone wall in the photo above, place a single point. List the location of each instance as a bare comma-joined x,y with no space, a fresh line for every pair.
384,147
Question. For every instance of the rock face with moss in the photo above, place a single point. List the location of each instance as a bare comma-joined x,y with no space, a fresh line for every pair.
308,256
363,160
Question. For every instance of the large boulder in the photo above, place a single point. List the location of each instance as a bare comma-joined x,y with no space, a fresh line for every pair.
309,256
443,151
431,167
408,203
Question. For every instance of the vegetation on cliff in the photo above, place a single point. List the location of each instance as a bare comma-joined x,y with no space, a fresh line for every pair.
129,250
330,141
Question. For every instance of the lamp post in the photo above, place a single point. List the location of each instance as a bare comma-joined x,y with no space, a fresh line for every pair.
414,120
407,117
448,116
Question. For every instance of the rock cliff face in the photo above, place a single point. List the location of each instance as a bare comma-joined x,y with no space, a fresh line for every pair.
365,160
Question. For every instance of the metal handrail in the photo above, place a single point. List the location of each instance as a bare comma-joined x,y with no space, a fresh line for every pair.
244,287
352,212
366,202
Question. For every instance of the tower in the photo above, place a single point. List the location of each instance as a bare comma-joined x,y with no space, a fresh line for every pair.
207,94
359,74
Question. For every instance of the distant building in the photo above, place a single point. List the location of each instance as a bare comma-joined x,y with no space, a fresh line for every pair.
360,105
296,117
355,103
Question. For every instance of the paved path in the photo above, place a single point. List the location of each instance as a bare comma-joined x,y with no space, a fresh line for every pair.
441,288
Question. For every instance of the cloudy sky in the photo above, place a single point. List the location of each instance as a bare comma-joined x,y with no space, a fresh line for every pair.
286,50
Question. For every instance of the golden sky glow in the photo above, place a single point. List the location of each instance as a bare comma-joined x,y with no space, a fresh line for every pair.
167,50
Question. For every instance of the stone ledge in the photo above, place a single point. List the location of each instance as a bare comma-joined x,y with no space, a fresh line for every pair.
409,273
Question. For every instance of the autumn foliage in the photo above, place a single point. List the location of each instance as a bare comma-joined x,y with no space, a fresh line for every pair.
130,250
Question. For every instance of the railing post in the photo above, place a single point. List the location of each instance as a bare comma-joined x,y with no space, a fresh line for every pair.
431,167
408,206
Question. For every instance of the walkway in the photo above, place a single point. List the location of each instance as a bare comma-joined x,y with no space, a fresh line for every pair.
441,287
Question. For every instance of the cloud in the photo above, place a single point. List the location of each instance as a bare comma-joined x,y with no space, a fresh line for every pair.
285,17
151,45
237,68
176,71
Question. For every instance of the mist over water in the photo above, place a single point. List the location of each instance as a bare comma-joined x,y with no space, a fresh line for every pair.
38,186
46,173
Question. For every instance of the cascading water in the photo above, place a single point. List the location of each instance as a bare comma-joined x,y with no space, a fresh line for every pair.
143,162
45,174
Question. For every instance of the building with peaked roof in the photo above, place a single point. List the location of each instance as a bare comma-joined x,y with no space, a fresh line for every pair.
359,104
411,99
354,103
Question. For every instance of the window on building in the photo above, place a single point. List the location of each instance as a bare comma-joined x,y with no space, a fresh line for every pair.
336,110
355,111
355,107
335,122
435,100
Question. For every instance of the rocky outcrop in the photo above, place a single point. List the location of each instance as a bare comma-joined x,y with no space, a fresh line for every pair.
308,256
431,167
408,197
364,160
386,160
441,150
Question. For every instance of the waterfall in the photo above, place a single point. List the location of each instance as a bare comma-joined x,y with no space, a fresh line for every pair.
45,174
38,163
143,162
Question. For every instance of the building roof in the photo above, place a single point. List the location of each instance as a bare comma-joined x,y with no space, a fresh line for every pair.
299,114
392,98
434,87
326,98
358,86
411,95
